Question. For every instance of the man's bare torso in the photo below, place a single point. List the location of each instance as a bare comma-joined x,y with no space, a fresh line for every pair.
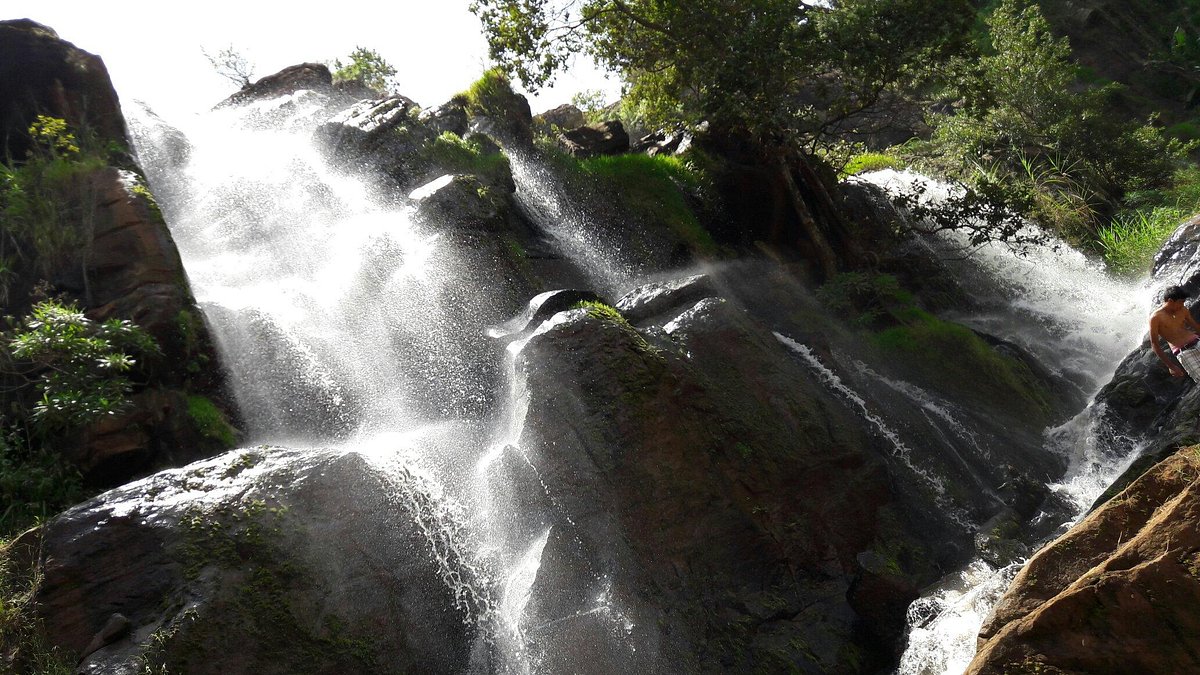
1172,327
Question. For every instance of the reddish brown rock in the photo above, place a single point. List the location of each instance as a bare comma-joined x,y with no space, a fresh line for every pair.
1116,594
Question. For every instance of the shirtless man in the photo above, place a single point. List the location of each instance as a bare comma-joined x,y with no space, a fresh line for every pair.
1174,323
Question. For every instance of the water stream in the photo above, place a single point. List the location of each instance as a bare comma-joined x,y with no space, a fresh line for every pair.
1079,322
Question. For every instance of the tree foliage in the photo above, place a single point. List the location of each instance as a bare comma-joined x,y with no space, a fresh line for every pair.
367,68
77,366
60,372
1049,146
779,69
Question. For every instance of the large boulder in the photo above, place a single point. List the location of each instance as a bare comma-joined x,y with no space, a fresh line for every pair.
42,74
300,77
709,508
605,138
265,560
1116,594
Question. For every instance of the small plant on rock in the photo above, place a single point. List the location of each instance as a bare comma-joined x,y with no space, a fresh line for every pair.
367,68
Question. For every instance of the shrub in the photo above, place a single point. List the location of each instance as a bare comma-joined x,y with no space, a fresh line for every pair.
45,211
367,68
76,365
35,483
1130,241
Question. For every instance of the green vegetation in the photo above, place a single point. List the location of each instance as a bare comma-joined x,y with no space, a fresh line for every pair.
42,193
656,188
210,421
747,74
592,103
453,154
489,94
915,340
22,639
1025,134
871,161
65,371
366,68
1130,240
246,540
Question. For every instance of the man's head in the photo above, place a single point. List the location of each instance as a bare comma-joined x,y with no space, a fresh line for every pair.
1175,293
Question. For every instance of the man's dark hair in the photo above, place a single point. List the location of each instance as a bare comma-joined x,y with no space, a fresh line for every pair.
1175,293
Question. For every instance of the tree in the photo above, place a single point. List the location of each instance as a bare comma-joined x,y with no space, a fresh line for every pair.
786,76
1050,146
367,68
231,64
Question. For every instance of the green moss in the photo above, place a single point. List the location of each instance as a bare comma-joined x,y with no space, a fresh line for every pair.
870,161
210,421
654,188
973,369
455,155
140,189
253,602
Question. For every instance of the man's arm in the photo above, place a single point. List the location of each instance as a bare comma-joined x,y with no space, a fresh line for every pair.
1155,338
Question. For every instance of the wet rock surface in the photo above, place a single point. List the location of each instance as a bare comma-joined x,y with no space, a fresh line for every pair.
261,560
728,512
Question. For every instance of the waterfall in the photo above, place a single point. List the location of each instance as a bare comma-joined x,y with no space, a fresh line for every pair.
344,324
1079,322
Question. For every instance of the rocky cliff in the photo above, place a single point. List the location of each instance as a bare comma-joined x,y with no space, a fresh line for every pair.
700,469
119,261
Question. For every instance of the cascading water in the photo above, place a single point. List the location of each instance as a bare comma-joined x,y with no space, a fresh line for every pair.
342,322
1079,322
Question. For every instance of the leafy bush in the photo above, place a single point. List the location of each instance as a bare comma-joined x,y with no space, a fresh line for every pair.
1131,240
367,68
35,483
77,366
45,210
1026,129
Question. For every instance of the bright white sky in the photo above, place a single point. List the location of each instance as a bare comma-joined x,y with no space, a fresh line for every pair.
153,47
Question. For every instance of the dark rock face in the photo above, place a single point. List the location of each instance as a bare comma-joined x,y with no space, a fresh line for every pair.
605,138
258,561
1118,593
310,76
565,116
41,74
676,471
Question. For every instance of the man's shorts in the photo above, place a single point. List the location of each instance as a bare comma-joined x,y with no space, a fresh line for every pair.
1190,360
